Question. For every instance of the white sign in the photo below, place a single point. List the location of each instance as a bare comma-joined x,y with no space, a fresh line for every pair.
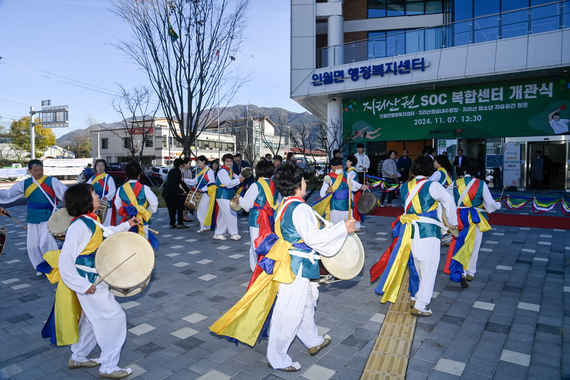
512,164
67,162
62,171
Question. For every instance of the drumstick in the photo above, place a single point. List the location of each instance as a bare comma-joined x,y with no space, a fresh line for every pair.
112,270
151,230
502,193
16,221
349,198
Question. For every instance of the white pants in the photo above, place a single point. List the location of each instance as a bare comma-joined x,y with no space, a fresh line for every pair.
338,216
227,218
39,241
102,322
253,234
202,210
475,255
293,316
427,270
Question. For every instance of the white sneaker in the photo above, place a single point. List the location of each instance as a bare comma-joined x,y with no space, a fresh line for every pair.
202,230
39,274
220,237
235,237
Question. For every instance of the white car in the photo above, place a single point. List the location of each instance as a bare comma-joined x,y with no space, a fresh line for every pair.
162,170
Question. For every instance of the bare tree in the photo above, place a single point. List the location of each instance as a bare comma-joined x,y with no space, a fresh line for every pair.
81,144
279,138
186,47
332,136
243,130
302,139
137,101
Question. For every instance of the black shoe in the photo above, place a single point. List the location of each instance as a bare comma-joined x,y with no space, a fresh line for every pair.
181,226
464,283
172,226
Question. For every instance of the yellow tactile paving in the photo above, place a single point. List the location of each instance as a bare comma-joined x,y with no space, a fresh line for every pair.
389,357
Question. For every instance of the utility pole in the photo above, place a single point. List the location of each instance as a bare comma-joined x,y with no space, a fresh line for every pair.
32,135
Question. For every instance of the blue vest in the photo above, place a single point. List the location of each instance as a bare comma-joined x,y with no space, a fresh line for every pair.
339,200
478,200
99,189
291,235
224,192
39,207
426,202
261,200
141,198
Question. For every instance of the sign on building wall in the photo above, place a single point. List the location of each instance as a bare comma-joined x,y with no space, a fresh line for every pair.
512,164
515,108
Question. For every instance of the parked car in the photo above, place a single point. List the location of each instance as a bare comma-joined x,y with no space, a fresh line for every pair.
117,171
159,174
307,166
319,171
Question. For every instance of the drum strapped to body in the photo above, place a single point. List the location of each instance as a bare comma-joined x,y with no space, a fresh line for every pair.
132,276
367,203
58,223
349,261
193,199
3,238
102,210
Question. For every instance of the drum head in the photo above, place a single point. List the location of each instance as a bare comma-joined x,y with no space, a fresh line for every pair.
59,221
3,238
114,250
367,203
349,261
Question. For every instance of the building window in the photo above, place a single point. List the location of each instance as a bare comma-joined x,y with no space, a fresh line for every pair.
148,143
395,8
127,143
104,143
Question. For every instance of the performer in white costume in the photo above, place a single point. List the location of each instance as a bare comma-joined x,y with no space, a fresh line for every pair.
352,173
260,195
104,186
204,180
41,192
226,183
339,201
293,314
102,321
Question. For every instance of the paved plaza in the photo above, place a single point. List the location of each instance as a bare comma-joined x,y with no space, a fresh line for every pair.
511,323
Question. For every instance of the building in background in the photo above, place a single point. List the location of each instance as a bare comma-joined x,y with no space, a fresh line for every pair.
111,142
255,137
487,76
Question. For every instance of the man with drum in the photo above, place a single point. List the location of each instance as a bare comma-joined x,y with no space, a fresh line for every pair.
226,183
205,182
104,186
474,201
338,187
261,199
417,233
136,199
41,194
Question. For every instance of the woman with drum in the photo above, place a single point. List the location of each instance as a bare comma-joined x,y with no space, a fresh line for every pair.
261,199
104,186
175,185
102,321
205,182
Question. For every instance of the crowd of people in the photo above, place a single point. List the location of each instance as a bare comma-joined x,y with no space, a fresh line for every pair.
287,236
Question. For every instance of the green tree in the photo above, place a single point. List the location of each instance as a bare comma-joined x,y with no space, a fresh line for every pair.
20,136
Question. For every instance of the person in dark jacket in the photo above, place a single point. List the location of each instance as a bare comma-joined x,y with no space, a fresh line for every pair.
172,194
404,165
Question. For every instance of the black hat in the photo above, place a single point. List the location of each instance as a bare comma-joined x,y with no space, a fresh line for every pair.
336,161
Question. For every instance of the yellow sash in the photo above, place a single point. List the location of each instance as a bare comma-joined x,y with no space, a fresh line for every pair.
33,186
99,176
245,319
67,309
324,206
143,213
464,253
267,191
396,274
447,177
211,204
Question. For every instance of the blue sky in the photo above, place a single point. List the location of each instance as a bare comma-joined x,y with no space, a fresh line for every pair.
47,44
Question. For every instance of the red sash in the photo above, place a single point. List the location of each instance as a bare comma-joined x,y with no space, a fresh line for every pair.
265,227
334,176
136,190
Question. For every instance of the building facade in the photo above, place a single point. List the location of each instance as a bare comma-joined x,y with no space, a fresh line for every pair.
255,137
112,143
489,77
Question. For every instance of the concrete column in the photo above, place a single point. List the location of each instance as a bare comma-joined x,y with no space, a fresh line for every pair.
334,123
335,38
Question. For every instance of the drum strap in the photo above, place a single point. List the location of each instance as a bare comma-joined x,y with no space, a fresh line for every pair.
306,255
